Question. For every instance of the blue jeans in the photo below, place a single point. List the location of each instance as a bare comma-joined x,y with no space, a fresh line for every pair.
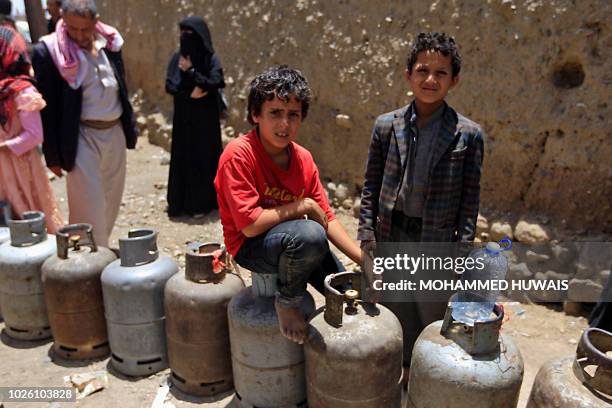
297,251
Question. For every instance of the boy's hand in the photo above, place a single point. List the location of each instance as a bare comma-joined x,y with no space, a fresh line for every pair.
367,264
315,212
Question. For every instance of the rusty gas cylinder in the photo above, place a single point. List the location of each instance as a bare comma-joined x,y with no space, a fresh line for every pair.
196,321
465,366
268,368
73,294
353,352
21,291
581,381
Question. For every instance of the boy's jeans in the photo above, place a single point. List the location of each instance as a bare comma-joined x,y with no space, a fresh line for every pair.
295,250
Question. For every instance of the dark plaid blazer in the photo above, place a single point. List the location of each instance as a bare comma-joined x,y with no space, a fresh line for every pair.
453,194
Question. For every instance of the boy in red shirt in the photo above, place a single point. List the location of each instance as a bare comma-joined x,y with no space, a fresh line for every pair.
266,183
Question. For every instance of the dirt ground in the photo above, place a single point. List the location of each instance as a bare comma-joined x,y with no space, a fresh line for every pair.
541,333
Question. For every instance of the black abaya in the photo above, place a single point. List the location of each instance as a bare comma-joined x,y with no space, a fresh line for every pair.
196,132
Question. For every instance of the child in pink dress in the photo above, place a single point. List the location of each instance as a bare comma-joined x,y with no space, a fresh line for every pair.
23,179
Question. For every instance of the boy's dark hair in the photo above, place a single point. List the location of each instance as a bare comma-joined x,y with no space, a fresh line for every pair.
278,81
440,42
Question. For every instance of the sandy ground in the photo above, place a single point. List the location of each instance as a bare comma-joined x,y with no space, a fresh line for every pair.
541,333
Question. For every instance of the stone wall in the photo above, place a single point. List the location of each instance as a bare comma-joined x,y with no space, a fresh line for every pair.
535,75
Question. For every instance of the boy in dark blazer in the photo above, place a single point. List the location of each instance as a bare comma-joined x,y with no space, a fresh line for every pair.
422,180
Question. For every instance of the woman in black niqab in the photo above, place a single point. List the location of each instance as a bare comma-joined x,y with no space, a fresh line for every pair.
194,77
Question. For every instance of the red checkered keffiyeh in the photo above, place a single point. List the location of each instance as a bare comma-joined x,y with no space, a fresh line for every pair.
14,71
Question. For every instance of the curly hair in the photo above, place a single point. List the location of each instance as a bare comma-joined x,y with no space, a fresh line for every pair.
281,82
439,42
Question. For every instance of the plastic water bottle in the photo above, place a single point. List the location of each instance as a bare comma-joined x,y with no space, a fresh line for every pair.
473,305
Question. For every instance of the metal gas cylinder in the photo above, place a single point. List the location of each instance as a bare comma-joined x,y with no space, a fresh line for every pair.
196,321
5,234
460,366
268,368
5,216
73,294
21,292
133,291
354,353
581,381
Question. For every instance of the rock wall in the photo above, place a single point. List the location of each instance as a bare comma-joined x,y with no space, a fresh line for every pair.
535,75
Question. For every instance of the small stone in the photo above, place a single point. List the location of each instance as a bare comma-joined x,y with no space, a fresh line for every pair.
530,233
535,257
572,308
604,276
341,193
500,231
347,204
482,225
584,290
519,271
165,160
344,121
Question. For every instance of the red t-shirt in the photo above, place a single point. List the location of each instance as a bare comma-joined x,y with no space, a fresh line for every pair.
248,181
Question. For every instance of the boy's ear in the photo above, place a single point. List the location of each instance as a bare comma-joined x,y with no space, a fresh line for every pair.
255,118
407,74
455,81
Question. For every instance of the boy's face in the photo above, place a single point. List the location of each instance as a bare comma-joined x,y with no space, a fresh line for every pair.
279,122
431,77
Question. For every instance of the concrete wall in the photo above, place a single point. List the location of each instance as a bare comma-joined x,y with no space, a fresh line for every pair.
535,75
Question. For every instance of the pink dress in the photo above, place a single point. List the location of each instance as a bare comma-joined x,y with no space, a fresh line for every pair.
23,177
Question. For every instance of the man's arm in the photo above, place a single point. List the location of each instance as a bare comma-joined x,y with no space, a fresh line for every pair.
370,193
49,85
470,196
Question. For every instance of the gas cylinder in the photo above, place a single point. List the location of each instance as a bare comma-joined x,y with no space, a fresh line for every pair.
5,216
133,291
268,368
354,353
196,321
73,294
21,292
5,234
581,381
459,365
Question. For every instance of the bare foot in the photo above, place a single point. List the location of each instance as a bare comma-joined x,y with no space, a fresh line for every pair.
292,323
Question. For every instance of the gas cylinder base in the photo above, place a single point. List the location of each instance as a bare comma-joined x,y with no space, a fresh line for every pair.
138,368
242,403
28,334
203,389
89,352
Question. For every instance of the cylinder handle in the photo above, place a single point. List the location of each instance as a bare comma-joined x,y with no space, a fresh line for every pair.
205,261
139,248
74,236
483,337
334,299
31,230
592,350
